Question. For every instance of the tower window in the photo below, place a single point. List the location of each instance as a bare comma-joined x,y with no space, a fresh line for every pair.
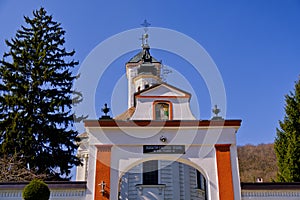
162,111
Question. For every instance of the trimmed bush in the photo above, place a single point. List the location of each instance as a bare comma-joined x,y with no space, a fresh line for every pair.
36,190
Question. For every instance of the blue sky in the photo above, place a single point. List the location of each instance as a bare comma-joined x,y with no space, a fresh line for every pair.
255,45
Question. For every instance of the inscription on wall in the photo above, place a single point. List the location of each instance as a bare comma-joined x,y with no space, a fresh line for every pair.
164,149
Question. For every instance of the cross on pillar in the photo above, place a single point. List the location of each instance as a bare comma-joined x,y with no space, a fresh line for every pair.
102,185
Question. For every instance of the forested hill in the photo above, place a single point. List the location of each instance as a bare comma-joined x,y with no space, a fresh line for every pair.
257,162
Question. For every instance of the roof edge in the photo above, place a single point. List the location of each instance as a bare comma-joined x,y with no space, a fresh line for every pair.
270,186
167,123
51,185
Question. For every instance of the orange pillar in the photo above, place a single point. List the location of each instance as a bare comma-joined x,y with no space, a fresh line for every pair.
224,172
102,182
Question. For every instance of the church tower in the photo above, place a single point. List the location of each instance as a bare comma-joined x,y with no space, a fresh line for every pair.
143,71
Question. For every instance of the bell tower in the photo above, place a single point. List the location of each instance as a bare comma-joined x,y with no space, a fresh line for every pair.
143,70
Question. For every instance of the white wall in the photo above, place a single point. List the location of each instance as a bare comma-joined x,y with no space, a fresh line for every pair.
181,109
271,194
127,150
62,192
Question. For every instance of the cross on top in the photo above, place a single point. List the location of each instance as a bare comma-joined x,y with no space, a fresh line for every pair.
145,24
145,36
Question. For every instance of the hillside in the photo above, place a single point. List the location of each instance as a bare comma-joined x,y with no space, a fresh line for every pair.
257,161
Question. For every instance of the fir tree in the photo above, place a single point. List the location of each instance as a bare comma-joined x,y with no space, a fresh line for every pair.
287,142
36,120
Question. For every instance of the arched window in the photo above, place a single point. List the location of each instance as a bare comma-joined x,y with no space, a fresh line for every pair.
162,111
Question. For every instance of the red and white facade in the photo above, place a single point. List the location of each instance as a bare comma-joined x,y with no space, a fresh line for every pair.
191,159
117,146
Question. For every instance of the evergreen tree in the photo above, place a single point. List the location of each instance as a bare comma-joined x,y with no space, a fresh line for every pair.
287,142
36,120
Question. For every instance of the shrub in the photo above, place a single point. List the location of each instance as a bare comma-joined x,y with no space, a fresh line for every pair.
36,190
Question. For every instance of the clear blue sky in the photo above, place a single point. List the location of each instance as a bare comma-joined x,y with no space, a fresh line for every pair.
255,45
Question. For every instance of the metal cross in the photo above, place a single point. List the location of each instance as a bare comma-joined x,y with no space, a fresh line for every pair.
165,71
102,185
145,24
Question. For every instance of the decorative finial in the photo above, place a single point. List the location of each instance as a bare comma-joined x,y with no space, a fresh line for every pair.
105,110
216,111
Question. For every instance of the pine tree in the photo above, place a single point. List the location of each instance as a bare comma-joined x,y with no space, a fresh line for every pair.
36,119
287,142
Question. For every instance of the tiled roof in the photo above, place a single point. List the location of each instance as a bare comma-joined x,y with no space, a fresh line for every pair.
125,115
166,84
83,135
138,57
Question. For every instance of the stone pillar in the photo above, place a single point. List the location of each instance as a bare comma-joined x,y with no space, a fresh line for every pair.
102,178
81,171
224,172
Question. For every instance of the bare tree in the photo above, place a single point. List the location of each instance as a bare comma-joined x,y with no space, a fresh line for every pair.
12,169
